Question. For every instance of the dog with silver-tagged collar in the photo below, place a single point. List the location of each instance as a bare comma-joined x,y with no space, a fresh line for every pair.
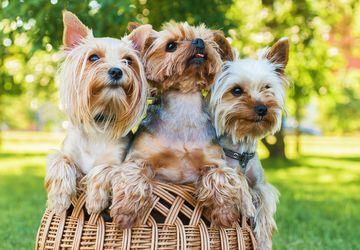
246,104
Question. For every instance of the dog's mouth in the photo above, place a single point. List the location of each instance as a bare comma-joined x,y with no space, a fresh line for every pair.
102,118
114,84
256,120
198,58
259,119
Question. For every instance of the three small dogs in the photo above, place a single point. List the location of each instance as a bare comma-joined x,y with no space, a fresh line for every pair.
186,138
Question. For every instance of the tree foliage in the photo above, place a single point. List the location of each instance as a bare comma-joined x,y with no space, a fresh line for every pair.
309,25
31,36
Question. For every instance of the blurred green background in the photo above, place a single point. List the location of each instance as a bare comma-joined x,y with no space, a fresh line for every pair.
314,161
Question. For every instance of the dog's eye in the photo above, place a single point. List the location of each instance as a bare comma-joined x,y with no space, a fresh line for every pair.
237,91
128,60
94,58
267,86
171,47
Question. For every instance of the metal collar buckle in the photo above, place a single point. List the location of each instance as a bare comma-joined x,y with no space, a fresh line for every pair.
243,158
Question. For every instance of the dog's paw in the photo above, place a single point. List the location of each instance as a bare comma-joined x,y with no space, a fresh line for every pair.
122,215
96,203
224,216
124,221
264,244
58,203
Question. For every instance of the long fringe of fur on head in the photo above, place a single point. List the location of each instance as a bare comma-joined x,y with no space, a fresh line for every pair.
173,70
83,101
262,82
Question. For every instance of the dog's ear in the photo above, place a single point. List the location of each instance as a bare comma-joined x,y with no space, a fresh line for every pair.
279,54
139,36
133,25
226,51
74,30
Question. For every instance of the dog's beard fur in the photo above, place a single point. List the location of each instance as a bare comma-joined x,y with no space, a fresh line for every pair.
86,90
238,118
178,70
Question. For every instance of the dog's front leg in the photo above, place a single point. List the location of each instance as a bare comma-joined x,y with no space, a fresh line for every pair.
98,183
60,181
266,197
226,193
132,193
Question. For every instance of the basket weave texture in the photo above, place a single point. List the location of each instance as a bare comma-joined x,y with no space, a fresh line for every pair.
176,221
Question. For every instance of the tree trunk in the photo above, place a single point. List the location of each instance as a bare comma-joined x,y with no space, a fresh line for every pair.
298,141
1,123
297,130
278,148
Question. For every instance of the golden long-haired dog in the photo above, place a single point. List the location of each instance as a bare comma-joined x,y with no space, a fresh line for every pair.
103,90
246,103
176,143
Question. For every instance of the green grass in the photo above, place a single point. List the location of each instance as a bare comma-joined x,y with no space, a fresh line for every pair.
22,196
319,205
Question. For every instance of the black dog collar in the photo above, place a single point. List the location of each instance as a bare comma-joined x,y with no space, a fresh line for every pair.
243,158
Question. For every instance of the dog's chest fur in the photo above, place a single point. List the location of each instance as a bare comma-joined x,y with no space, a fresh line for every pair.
180,130
89,150
182,119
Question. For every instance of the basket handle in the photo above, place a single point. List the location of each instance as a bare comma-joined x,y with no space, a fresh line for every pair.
78,204
94,218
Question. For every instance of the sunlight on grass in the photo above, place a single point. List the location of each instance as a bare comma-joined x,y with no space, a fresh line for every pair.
22,196
319,205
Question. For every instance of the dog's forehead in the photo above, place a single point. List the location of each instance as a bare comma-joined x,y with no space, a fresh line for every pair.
254,71
184,31
112,44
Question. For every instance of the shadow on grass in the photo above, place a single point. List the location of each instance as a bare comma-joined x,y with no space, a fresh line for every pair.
276,163
341,158
305,160
18,155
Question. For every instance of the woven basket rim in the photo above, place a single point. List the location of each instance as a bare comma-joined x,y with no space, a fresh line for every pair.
75,228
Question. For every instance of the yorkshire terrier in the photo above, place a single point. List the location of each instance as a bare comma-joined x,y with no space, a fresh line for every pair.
246,103
176,143
103,90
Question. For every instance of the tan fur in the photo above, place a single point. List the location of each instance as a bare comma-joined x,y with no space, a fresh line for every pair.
133,25
239,127
279,54
241,118
60,168
171,70
93,148
132,189
176,143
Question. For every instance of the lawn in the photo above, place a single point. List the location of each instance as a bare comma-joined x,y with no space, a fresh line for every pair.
320,191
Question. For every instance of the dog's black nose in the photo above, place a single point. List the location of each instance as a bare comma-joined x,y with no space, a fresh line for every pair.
261,110
198,43
115,73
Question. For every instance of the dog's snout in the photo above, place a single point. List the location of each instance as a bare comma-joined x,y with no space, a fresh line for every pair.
115,73
261,110
198,43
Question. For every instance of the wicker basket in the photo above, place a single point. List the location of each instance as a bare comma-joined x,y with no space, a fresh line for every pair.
176,221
